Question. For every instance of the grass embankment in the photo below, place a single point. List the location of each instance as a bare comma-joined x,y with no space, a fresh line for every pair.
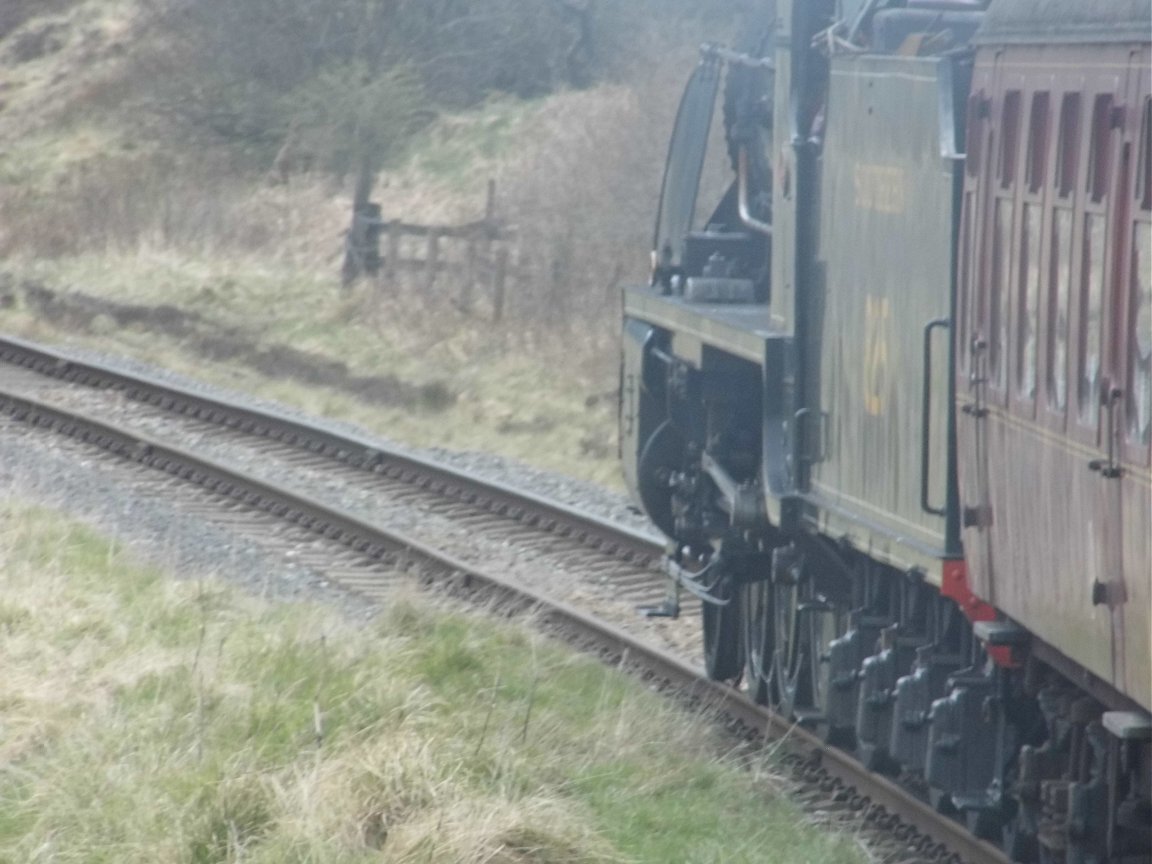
103,191
262,263
539,399
147,719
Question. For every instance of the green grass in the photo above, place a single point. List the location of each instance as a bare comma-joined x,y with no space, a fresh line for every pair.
99,194
91,203
455,150
548,404
149,719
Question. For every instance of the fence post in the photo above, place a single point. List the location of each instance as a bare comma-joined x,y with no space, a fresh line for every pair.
362,247
433,261
488,233
469,276
372,239
499,276
393,270
362,250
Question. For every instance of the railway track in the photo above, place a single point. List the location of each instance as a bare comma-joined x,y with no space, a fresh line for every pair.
130,422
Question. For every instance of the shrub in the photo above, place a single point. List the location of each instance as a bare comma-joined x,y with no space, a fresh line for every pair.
358,76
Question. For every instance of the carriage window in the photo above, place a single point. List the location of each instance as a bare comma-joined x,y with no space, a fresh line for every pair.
1139,408
1067,145
1028,304
1037,141
975,127
1099,152
1026,328
1091,311
1001,289
1059,281
1140,339
1009,126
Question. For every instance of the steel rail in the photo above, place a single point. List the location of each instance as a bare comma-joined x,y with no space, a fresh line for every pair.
398,551
348,448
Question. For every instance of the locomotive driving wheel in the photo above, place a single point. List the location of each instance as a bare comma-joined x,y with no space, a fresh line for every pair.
723,648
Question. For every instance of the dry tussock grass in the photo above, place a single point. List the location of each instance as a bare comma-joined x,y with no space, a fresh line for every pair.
147,719
496,831
136,205
577,174
415,799
578,177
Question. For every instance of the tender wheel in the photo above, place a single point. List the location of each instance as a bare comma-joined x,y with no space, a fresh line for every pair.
828,623
723,648
759,646
788,655
804,625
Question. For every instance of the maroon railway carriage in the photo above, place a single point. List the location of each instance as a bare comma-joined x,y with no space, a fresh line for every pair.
1054,385
1055,335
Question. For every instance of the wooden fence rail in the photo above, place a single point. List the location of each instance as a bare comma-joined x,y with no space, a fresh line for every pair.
476,254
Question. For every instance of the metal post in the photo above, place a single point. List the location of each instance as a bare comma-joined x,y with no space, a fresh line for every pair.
433,261
498,279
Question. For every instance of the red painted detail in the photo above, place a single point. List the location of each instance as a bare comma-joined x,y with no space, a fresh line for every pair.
1002,656
954,585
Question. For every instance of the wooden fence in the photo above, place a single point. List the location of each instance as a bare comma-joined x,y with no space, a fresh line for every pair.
476,255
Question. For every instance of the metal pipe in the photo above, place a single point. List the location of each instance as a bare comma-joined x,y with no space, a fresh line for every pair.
742,197
743,503
863,15
692,582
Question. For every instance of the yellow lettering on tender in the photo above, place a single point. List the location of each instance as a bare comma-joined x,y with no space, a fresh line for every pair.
879,188
875,366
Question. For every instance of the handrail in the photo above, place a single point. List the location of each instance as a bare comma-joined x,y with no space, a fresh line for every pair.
926,417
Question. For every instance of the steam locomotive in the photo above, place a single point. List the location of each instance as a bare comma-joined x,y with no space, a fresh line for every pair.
890,399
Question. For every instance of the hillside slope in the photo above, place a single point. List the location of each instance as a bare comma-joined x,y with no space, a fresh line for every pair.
105,192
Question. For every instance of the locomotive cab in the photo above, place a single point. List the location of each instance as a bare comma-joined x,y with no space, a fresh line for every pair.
687,399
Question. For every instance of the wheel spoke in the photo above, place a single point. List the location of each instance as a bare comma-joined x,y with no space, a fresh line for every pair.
759,647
